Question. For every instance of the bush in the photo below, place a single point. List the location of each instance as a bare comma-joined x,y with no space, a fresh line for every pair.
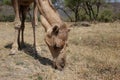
7,2
83,16
9,18
106,16
117,16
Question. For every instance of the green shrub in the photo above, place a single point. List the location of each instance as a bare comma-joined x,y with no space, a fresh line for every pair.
84,17
9,18
106,16
7,2
117,16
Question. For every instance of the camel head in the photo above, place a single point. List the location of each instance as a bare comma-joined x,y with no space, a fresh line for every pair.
56,39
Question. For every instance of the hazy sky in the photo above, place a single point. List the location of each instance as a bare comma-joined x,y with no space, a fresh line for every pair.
115,0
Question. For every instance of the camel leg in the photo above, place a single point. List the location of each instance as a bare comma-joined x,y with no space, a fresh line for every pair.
34,31
22,35
23,14
35,12
35,19
17,23
34,44
16,43
16,10
34,23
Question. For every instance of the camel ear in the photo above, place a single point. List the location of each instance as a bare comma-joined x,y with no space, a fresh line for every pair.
53,30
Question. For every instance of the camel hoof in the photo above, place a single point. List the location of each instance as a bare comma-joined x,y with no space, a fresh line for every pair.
13,52
38,49
17,23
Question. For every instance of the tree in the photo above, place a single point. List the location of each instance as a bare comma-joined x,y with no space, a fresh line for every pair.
74,5
92,8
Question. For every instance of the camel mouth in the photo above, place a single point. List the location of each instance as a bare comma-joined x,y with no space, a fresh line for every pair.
57,47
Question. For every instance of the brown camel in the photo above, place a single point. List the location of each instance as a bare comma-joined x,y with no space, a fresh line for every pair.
56,29
21,7
56,32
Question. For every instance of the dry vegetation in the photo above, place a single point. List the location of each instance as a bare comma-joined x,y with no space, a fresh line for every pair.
93,53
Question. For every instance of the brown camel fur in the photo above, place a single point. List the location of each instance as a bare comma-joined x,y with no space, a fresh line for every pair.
21,7
56,32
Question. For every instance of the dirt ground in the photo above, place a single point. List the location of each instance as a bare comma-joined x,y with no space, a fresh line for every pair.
93,53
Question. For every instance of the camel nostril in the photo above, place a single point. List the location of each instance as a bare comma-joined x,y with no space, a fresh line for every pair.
55,47
62,65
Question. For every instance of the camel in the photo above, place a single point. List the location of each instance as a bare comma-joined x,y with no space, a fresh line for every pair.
56,32
21,7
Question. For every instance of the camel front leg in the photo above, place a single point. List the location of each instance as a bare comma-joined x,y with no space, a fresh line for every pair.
23,14
17,21
16,43
35,21
35,12
34,24
17,24
34,36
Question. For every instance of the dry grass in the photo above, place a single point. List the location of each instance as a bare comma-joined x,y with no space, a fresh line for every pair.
93,53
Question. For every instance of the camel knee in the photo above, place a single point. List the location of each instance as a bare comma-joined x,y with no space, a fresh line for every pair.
17,23
17,28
